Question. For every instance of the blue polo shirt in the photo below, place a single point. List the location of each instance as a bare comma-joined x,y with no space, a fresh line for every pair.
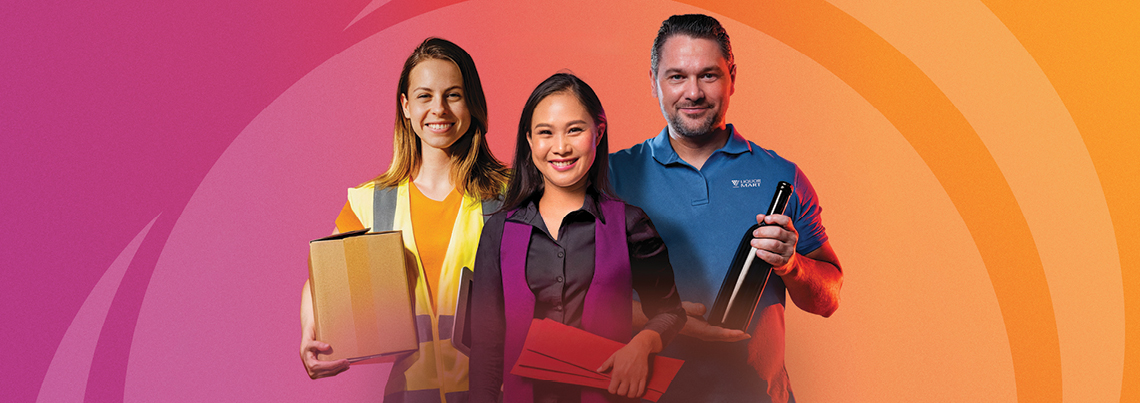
702,216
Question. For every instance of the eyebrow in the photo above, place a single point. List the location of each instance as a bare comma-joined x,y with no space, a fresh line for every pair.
704,70
571,123
460,87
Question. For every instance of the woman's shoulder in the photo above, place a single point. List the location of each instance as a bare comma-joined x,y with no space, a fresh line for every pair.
369,185
361,199
635,218
373,184
369,188
632,213
492,231
497,218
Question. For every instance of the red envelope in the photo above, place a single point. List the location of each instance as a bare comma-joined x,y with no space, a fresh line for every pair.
556,352
531,359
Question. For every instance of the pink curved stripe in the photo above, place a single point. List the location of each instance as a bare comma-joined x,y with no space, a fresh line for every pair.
66,379
375,4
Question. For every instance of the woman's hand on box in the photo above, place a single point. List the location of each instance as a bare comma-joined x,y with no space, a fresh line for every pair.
316,367
310,346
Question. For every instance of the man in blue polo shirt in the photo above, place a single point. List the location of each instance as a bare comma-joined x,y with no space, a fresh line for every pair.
704,185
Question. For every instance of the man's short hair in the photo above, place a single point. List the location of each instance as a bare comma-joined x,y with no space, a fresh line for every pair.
698,26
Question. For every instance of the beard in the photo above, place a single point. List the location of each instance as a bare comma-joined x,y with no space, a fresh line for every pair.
691,128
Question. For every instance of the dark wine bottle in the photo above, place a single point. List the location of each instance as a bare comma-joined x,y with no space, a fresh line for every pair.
747,276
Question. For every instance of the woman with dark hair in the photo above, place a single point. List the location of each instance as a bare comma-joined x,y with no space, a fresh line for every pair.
564,248
441,181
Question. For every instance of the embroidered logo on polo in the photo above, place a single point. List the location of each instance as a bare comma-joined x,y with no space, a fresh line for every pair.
745,183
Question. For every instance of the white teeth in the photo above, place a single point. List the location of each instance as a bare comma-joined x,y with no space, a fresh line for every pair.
562,164
439,126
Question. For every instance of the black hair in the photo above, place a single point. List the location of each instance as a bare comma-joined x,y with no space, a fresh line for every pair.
693,25
527,180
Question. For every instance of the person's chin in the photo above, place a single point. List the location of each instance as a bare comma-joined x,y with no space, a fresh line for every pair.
693,130
566,180
440,141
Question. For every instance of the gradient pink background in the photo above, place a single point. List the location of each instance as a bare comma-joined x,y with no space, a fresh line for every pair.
164,165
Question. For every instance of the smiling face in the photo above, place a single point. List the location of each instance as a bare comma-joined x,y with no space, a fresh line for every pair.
692,83
435,103
563,141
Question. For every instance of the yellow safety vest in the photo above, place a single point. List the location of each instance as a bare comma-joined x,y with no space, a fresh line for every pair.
437,372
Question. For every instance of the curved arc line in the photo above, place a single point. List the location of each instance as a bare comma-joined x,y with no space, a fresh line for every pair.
385,16
66,378
953,151
368,9
1068,41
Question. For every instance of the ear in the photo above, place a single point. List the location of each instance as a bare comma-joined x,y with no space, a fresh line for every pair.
601,134
653,83
732,74
529,143
404,105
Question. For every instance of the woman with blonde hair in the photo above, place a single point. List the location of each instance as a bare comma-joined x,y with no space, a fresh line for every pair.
441,182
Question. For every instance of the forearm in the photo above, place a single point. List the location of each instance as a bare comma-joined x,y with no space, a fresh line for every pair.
649,340
307,318
306,309
814,284
666,323
639,318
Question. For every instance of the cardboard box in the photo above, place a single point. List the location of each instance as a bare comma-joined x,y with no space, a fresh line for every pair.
362,301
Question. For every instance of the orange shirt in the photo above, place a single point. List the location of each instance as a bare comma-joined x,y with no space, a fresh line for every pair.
347,220
432,222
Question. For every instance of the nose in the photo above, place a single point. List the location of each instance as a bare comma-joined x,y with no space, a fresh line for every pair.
439,106
561,144
692,91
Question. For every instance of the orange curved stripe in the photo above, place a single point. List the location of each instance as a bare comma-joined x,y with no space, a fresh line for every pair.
954,153
1088,52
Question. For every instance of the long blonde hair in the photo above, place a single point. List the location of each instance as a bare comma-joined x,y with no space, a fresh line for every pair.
475,171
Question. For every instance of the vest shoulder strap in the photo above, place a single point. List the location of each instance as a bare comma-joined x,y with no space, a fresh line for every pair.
383,208
491,206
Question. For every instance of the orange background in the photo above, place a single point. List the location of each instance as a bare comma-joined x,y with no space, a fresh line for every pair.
1003,120
975,161
1009,104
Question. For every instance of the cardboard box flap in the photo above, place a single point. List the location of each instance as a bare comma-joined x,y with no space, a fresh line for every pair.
342,235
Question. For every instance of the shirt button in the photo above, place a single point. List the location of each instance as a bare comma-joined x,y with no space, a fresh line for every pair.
559,279
560,254
558,307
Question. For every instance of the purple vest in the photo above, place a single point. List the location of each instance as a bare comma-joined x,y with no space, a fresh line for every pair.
607,310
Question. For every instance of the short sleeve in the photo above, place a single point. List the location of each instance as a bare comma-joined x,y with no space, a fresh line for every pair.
807,218
360,201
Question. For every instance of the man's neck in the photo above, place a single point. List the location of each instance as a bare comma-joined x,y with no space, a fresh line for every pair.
696,150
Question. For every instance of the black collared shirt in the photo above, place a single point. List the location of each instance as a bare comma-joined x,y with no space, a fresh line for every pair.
559,273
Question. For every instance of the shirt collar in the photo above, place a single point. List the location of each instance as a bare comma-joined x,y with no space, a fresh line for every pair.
528,213
664,154
736,144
